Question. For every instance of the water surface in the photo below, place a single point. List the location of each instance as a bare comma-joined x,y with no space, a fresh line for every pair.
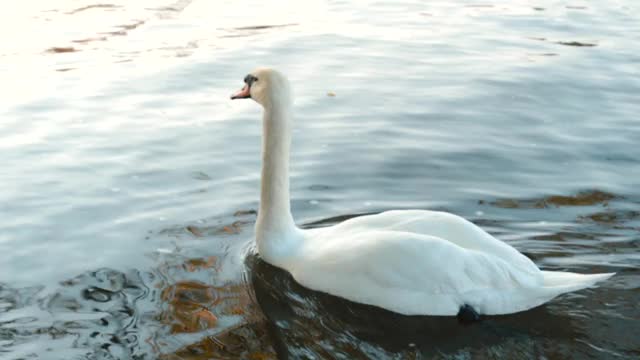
131,181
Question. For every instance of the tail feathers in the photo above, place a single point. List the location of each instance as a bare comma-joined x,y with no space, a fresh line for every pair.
554,283
563,282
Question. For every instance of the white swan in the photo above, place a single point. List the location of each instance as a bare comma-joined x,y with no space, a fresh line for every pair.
413,262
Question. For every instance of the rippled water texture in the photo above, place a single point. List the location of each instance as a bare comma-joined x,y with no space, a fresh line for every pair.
130,181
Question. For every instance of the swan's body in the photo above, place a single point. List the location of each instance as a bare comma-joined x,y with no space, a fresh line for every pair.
414,262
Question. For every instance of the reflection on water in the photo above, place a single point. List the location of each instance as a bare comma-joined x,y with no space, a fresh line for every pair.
184,308
171,312
125,166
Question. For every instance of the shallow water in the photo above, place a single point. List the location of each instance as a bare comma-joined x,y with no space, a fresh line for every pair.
131,182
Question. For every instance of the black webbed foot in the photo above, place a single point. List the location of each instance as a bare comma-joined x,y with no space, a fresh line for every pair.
467,314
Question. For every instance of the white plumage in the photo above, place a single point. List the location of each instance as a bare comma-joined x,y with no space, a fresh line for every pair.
414,262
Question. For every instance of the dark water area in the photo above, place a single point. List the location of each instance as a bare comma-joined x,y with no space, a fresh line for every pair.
130,181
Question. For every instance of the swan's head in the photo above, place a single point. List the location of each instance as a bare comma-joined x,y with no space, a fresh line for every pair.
266,86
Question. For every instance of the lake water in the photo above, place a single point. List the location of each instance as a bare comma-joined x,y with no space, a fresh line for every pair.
130,181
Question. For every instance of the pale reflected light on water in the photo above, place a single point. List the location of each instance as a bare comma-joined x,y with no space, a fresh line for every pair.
129,180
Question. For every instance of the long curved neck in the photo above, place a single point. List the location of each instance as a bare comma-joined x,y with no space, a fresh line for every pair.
276,233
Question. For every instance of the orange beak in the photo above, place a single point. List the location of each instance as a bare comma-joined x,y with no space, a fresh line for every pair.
242,94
